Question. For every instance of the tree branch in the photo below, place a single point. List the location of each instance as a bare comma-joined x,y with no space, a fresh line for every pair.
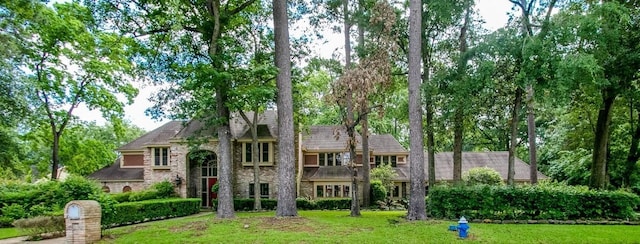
241,7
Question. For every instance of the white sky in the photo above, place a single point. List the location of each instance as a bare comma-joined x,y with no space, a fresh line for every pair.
494,13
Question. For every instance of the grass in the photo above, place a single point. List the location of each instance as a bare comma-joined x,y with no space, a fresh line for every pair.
372,227
9,233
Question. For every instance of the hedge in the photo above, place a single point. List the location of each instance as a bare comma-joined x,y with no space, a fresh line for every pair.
530,202
246,204
136,212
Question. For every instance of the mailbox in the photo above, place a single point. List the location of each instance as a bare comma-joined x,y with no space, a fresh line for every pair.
82,221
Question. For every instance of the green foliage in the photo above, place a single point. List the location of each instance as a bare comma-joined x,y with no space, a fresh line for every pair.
544,201
378,191
482,175
305,204
37,226
385,174
136,212
334,203
165,189
13,212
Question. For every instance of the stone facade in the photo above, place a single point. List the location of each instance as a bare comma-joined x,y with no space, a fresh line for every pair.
118,187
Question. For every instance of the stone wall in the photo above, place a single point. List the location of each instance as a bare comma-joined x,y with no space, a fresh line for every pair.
117,187
243,175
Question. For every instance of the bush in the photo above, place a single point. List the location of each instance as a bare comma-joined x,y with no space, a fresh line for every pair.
14,211
482,175
36,227
334,203
136,212
164,189
305,204
544,201
378,191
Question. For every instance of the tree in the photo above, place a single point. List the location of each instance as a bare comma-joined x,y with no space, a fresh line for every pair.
72,62
286,157
417,209
604,52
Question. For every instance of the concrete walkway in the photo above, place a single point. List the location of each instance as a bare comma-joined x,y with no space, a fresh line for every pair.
62,240
22,239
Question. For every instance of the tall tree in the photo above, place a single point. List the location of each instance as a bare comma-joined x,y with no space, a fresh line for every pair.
191,47
604,52
417,209
286,157
532,38
459,110
73,62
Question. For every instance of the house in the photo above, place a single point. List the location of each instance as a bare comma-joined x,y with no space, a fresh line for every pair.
323,162
166,154
495,160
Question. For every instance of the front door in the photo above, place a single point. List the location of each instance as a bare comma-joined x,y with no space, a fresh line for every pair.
212,195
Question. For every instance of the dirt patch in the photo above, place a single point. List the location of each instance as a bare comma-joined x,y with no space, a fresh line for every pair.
197,226
294,224
109,234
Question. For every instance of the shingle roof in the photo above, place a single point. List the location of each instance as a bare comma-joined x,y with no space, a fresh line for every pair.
159,136
267,125
334,138
494,160
385,144
115,173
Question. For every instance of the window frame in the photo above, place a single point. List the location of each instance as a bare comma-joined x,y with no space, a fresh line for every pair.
246,153
336,159
161,157
264,190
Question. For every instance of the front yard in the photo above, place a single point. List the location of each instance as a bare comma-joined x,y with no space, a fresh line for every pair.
372,227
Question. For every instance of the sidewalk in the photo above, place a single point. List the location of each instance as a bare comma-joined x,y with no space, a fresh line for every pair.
22,239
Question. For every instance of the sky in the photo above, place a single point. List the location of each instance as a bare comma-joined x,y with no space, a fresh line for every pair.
494,13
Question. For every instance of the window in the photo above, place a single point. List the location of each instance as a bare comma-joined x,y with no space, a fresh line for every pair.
333,191
160,156
264,190
106,189
330,159
386,159
126,189
264,152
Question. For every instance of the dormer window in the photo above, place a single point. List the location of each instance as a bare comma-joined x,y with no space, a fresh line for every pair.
160,156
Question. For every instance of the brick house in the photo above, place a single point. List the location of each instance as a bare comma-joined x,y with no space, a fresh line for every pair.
165,154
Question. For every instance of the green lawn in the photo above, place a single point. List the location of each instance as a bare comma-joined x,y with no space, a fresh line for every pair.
9,232
372,227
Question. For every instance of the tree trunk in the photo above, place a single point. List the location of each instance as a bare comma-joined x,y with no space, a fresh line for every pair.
225,192
355,203
430,144
366,181
458,119
286,157
633,156
598,178
416,209
531,129
457,144
514,136
257,204
55,157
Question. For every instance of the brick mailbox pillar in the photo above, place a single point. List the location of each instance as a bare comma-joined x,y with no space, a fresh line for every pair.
82,221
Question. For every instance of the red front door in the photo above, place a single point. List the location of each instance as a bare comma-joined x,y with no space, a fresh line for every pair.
212,195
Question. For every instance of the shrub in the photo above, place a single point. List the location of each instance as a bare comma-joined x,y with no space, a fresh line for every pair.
164,189
305,204
14,211
378,191
334,203
121,197
37,226
544,201
136,212
482,175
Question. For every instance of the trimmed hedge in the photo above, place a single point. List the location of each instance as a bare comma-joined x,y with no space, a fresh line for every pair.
246,204
530,202
136,212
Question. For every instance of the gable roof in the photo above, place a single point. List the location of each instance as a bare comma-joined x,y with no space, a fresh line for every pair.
267,128
334,138
113,172
495,160
159,136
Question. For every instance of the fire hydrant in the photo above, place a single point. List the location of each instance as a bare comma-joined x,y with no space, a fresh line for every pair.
463,226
